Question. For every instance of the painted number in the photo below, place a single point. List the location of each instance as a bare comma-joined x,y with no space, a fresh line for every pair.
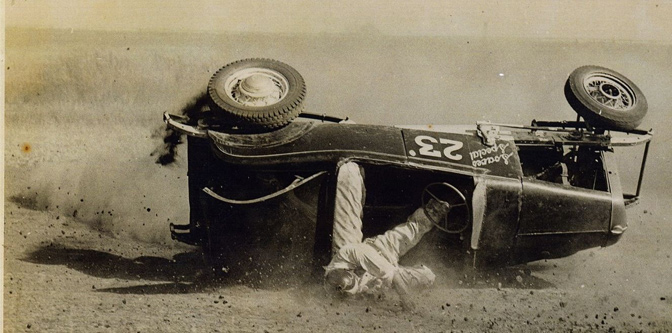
426,144
453,146
429,144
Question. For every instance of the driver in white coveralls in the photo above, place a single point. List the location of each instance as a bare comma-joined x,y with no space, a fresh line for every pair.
366,266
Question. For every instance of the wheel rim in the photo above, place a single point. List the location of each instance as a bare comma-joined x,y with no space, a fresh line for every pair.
609,91
256,87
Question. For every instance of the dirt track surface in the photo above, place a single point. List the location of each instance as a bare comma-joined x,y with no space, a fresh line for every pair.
87,246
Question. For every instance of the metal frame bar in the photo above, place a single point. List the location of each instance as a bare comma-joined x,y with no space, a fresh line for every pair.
641,170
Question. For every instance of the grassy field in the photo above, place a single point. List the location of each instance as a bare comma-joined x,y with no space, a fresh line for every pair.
127,77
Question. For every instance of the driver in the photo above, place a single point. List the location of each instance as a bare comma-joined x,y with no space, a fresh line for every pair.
370,265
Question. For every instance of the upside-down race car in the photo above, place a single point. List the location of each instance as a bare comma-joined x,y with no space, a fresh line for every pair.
260,167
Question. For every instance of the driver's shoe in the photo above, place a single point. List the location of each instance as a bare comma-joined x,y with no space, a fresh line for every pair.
437,209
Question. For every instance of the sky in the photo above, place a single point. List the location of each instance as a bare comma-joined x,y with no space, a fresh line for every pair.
631,20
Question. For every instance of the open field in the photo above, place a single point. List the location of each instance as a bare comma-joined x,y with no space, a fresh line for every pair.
87,247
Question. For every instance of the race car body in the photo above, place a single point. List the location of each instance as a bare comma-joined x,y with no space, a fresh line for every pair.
520,193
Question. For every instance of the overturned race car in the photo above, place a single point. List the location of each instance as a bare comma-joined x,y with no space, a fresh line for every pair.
262,172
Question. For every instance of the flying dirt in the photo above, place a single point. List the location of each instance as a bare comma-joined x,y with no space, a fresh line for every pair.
166,152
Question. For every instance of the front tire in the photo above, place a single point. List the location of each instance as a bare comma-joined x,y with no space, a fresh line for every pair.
605,98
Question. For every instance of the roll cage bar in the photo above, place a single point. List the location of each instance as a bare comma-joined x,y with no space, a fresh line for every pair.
577,133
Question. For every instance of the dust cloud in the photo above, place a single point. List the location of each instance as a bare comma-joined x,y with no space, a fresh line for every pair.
121,194
133,192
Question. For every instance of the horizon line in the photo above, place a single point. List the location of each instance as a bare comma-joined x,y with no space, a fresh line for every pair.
360,34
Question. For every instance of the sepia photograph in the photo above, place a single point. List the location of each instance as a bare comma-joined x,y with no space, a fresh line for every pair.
351,166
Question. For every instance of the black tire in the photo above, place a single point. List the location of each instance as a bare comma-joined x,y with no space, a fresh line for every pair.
605,98
284,102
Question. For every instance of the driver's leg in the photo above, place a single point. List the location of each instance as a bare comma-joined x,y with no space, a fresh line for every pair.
348,206
395,242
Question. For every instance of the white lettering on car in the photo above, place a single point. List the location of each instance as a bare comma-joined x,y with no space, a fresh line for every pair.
428,147
490,155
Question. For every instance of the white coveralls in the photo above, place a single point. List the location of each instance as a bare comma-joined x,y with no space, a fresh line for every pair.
375,259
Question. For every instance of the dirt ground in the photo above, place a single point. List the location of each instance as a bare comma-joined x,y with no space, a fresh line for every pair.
87,210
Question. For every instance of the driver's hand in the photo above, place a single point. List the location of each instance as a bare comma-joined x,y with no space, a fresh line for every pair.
437,209
401,288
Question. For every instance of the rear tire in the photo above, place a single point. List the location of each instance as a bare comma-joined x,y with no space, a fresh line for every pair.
258,93
605,98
